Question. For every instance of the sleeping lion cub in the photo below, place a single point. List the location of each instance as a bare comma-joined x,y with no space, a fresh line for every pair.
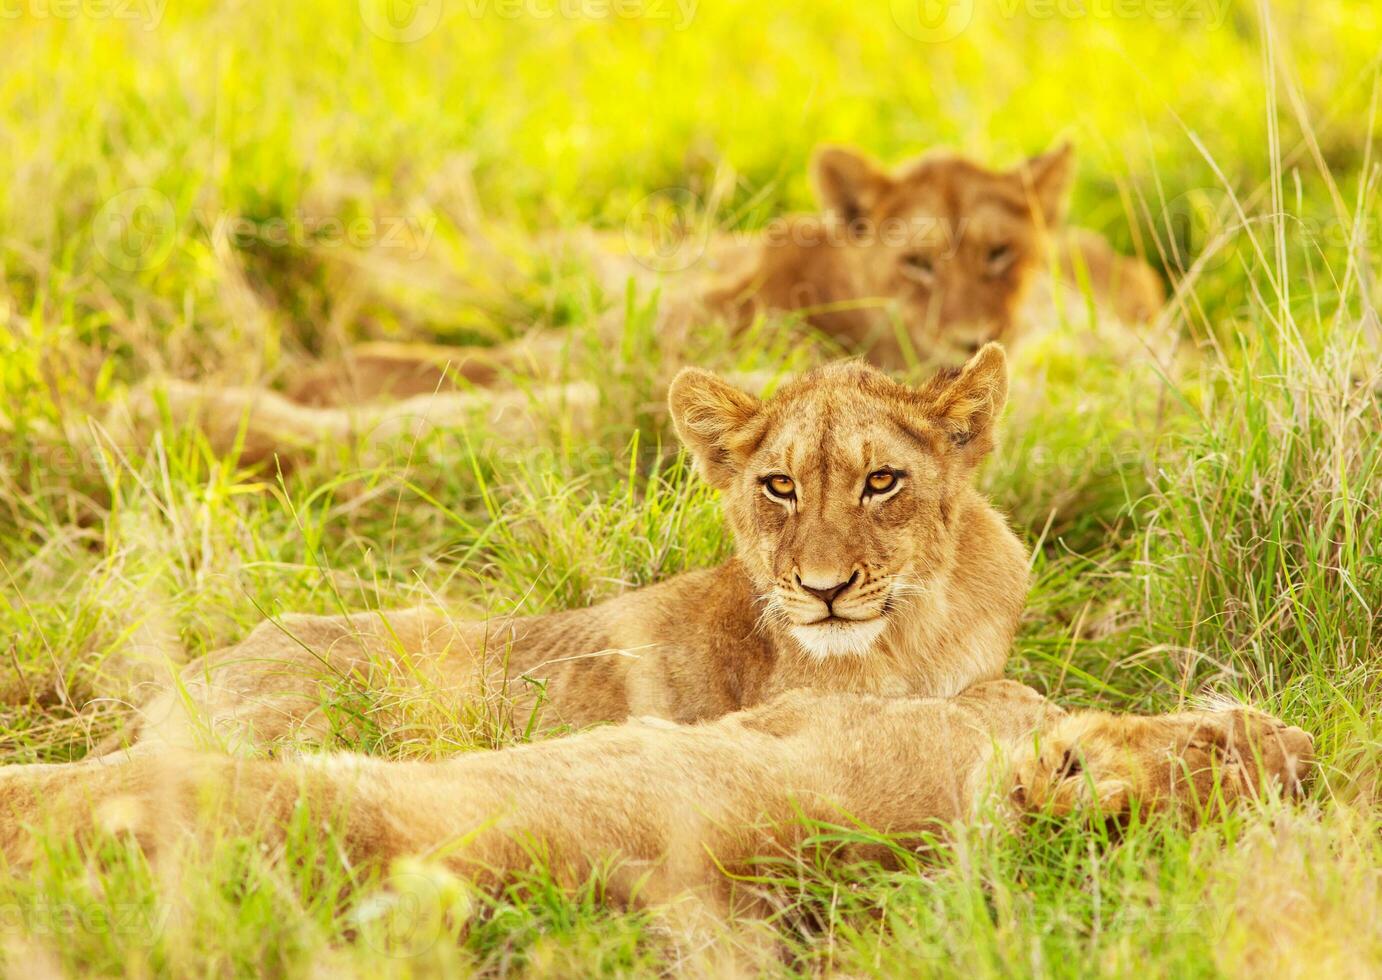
931,262
675,813
941,257
865,562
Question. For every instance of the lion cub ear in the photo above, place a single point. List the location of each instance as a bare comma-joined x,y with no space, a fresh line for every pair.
714,420
1047,178
967,407
848,184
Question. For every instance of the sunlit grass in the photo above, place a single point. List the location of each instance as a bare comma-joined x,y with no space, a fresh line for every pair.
1202,521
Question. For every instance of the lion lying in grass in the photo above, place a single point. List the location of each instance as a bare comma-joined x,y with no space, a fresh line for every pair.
935,260
865,562
930,263
674,813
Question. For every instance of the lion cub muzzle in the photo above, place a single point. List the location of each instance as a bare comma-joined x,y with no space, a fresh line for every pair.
827,593
844,617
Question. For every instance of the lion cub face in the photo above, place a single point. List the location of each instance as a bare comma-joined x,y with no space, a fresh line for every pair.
950,246
841,488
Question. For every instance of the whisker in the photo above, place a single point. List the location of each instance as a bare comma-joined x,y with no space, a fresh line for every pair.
773,608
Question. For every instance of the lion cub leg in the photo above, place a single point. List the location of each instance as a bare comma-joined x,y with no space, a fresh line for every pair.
259,424
262,426
484,827
309,679
391,370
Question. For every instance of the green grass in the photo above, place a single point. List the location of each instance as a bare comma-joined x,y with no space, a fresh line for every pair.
1207,527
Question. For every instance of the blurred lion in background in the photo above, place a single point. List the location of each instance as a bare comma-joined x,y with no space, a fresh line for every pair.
924,265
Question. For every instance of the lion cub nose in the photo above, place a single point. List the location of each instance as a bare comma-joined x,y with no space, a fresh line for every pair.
828,593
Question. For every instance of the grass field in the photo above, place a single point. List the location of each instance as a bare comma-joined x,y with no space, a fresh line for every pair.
214,190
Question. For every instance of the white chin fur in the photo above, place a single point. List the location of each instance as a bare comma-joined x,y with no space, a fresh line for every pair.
838,639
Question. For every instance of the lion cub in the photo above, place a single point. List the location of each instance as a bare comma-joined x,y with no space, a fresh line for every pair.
936,259
929,262
678,813
865,561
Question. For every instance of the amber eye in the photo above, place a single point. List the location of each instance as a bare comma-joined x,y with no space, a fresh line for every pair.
881,481
780,486
1000,257
919,268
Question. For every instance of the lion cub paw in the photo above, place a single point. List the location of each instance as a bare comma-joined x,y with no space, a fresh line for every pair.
1184,763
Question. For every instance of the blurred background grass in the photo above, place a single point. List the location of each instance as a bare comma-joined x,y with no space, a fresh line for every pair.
217,190
237,111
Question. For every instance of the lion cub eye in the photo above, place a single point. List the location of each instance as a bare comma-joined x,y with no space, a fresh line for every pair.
919,268
780,486
880,481
999,258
